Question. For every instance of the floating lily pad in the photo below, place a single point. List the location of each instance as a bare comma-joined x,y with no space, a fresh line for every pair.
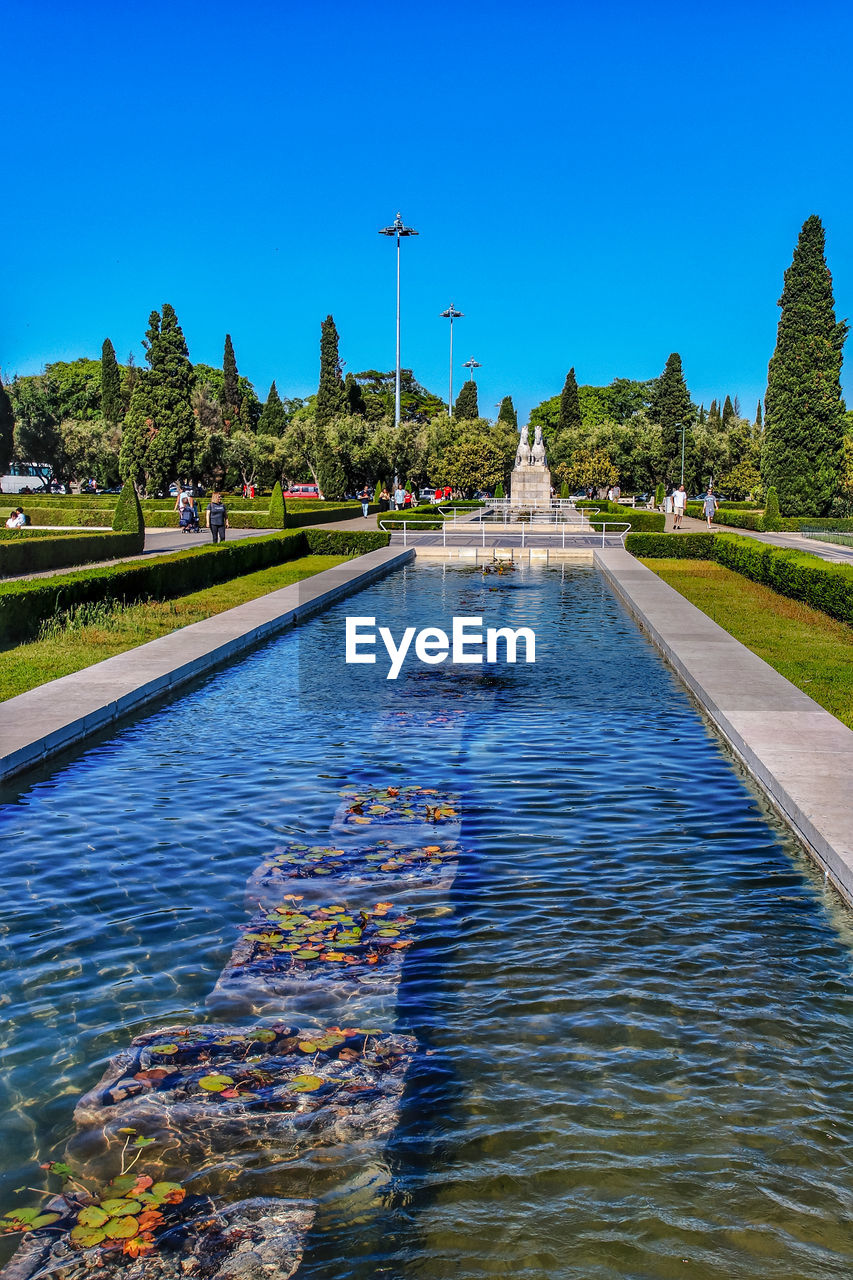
87,1237
215,1083
306,1084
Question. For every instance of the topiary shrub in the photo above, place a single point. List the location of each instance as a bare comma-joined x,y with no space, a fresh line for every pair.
377,492
499,491
770,520
564,489
127,517
277,508
660,494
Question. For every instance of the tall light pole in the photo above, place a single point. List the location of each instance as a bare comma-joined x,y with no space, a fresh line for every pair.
451,314
397,229
472,364
683,435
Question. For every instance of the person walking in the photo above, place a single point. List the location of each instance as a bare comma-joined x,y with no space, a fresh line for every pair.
399,497
217,517
384,499
364,499
679,502
709,505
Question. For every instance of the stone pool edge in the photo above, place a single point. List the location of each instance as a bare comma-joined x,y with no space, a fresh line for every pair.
796,751
46,720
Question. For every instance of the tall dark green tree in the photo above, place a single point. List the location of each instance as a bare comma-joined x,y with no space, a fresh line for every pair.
232,398
673,410
758,426
112,404
273,419
7,429
570,405
355,401
158,442
507,412
802,452
728,413
331,394
714,415
702,416
466,406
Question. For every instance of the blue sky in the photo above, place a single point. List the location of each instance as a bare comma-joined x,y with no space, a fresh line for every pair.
593,186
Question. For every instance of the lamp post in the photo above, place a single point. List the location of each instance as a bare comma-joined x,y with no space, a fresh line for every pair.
451,315
683,435
397,229
472,364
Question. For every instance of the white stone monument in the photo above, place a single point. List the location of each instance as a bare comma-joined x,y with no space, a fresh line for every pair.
530,484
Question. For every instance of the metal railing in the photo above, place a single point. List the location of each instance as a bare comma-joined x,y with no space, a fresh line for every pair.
614,529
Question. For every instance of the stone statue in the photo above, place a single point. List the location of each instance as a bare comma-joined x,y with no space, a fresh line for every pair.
522,457
537,455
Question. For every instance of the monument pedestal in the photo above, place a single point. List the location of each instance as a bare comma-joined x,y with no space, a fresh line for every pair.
530,486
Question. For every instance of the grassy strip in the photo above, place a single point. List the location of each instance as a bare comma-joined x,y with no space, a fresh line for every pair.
116,628
808,648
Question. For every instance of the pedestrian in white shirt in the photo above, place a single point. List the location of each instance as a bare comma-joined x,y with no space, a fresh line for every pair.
679,502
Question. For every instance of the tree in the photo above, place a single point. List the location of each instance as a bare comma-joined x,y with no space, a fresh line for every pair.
507,413
802,453
588,467
714,416
741,480
758,426
570,405
7,429
474,462
137,432
231,396
702,416
38,439
91,449
672,410
728,413
331,396
112,404
466,407
127,517
355,401
159,439
273,419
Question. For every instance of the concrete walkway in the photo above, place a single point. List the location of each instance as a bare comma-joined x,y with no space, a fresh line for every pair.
38,724
798,753
791,541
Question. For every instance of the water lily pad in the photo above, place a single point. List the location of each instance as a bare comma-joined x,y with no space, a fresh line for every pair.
121,1228
308,1046
120,1208
87,1237
306,953
306,1084
93,1216
264,1034
161,1190
164,1048
215,1083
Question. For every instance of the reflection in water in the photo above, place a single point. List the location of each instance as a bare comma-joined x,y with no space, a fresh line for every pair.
633,1003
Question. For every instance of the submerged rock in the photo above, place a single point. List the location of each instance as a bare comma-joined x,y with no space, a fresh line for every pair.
206,1093
321,962
357,875
257,1239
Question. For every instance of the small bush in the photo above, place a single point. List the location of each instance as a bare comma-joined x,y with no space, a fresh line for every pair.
127,517
277,509
681,546
770,520
660,494
499,492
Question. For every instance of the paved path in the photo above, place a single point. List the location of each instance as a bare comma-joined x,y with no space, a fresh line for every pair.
793,541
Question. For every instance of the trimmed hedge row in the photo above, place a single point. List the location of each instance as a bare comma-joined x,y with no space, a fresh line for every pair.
79,517
12,535
736,519
25,605
797,574
681,546
640,521
58,552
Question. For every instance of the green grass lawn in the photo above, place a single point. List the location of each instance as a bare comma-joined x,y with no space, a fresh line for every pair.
810,649
114,630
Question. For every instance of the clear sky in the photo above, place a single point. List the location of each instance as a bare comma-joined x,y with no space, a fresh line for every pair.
594,185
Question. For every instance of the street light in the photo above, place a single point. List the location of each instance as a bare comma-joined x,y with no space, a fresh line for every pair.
397,229
683,435
472,364
451,315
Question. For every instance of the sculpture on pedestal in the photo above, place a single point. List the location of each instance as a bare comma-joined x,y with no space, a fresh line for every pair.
522,455
531,480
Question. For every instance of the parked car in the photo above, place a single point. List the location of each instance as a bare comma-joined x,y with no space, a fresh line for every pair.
302,491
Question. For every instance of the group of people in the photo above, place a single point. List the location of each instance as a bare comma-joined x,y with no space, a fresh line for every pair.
402,499
18,519
675,504
216,516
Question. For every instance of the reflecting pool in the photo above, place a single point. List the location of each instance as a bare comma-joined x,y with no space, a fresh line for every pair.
633,1002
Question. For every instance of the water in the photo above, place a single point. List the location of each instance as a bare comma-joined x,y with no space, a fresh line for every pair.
635,1004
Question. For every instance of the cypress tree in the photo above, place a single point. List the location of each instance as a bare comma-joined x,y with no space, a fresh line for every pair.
758,417
160,426
728,412
231,397
111,401
331,394
138,429
355,402
672,409
273,419
7,429
570,405
507,412
804,414
714,415
466,406
701,419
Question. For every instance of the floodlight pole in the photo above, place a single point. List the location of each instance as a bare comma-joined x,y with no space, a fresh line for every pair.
397,229
683,435
472,364
451,314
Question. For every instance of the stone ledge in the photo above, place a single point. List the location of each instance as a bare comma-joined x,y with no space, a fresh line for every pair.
52,717
796,751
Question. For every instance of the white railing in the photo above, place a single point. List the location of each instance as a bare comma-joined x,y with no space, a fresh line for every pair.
608,528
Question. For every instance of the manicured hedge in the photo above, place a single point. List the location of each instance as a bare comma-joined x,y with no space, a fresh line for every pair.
298,515
640,521
838,525
804,577
736,519
681,546
79,517
58,552
25,605
13,535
